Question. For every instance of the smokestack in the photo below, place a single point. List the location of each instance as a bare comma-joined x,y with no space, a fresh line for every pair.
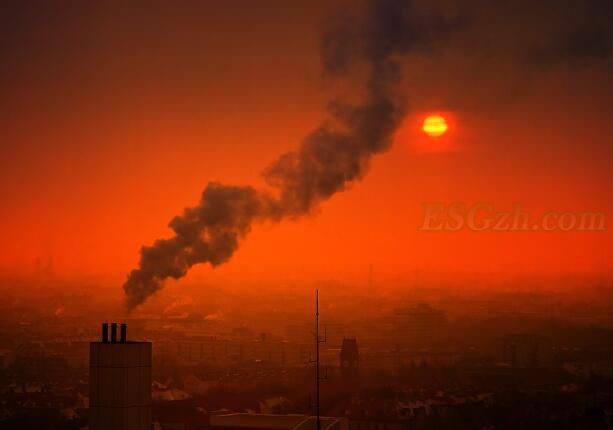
105,332
120,385
124,333
114,333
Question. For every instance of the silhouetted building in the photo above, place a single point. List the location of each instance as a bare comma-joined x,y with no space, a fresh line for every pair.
349,358
7,358
419,326
119,382
526,351
246,421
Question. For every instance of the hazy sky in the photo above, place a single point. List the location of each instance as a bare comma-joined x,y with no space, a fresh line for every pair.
114,115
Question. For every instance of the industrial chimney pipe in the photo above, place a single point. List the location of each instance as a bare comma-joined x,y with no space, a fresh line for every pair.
124,332
114,333
105,332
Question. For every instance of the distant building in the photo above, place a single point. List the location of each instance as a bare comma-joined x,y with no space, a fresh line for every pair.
349,358
274,422
222,351
276,405
119,382
7,358
419,326
436,358
407,412
382,414
196,386
180,415
526,351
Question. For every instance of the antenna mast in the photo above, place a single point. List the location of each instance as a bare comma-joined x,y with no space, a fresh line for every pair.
317,342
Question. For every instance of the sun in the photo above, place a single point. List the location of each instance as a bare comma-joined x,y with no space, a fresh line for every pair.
435,126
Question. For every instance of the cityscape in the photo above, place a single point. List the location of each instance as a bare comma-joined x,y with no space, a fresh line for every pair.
427,358
306,215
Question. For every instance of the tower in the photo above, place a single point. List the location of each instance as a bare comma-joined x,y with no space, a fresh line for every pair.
350,358
119,382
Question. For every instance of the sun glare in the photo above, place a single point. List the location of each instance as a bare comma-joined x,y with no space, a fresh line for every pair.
435,126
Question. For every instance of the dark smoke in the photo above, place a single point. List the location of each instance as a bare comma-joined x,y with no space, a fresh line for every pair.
334,154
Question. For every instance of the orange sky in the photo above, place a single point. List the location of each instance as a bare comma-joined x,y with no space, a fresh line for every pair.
113,126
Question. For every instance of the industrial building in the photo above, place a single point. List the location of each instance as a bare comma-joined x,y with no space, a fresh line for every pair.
119,382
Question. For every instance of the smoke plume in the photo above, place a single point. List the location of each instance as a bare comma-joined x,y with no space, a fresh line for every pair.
336,153
179,302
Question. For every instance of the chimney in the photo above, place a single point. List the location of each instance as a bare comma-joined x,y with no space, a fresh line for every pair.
105,332
114,333
119,382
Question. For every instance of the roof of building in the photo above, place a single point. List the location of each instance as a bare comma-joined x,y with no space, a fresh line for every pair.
270,421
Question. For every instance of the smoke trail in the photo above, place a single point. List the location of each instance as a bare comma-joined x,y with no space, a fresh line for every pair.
333,155
178,303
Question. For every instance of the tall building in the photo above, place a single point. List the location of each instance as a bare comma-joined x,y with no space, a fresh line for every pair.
349,358
119,382
526,351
